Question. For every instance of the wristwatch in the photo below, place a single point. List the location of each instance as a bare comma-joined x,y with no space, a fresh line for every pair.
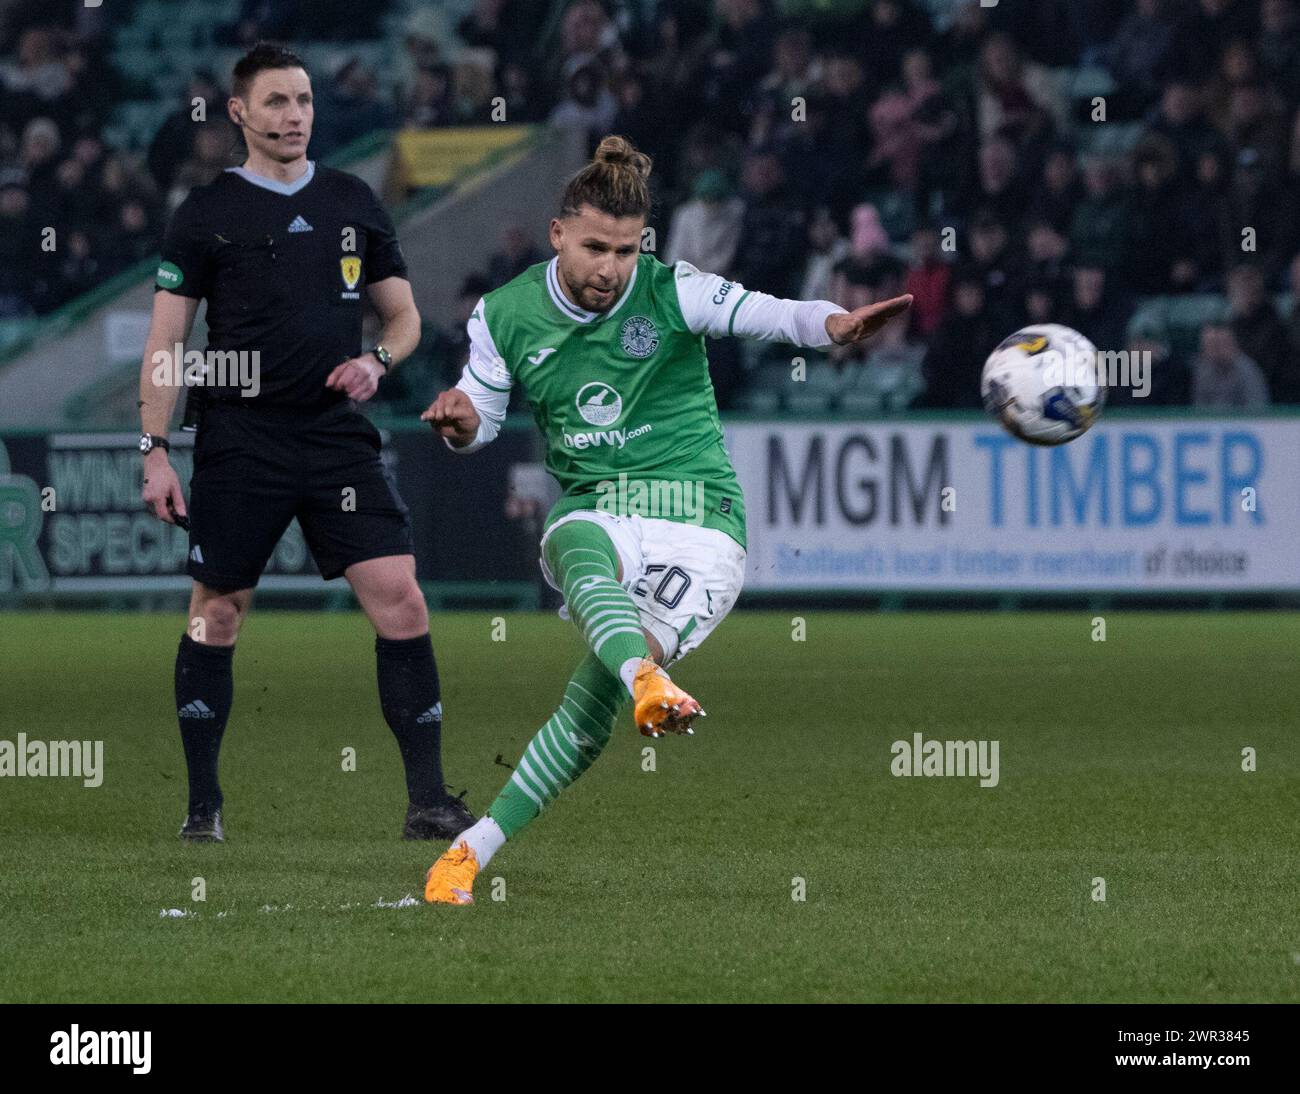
383,357
150,441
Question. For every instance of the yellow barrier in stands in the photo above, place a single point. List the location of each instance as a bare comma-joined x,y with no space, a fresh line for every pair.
434,157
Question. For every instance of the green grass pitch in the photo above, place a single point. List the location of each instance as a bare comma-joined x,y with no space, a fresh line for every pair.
1119,759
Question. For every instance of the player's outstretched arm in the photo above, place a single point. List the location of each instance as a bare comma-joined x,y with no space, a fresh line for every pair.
853,326
712,305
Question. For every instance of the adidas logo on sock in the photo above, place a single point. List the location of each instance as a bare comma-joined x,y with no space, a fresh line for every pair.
433,714
299,225
196,709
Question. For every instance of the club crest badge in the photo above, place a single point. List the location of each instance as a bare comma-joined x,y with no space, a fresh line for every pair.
640,337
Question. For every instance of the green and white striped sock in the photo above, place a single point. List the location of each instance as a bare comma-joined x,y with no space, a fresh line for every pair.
583,559
563,748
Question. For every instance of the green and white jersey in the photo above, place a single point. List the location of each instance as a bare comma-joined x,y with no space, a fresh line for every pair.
623,398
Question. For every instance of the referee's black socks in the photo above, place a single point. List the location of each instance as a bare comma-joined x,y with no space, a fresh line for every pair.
411,700
204,689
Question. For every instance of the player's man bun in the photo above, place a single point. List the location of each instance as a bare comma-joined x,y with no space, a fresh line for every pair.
616,181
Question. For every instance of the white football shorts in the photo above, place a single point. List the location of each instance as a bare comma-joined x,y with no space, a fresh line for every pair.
684,578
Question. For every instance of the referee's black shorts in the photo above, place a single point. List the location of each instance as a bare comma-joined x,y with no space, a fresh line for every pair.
256,468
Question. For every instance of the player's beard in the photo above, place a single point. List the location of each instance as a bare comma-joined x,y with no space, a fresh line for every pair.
581,295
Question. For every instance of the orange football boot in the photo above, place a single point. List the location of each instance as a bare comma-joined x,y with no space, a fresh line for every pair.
450,880
660,705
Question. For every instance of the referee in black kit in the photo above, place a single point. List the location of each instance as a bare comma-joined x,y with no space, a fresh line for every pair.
282,249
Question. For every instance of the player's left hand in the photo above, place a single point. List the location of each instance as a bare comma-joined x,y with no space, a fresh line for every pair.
853,326
359,377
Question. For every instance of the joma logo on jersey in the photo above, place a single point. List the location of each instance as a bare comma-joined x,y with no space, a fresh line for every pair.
599,404
614,438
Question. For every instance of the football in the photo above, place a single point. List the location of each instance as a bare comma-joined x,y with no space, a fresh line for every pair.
1042,384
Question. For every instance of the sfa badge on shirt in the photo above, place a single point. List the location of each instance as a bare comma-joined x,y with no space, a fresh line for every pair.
350,268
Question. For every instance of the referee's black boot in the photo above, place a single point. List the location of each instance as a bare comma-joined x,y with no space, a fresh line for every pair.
446,820
203,827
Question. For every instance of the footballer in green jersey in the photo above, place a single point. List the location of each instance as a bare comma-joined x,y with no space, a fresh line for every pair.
647,541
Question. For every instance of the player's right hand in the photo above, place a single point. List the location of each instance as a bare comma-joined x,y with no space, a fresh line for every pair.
161,486
453,416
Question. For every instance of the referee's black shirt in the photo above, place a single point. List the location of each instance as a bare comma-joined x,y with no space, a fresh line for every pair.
270,258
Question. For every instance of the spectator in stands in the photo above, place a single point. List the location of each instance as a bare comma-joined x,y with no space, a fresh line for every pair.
1157,209
1256,121
1142,52
882,40
37,73
1259,330
736,58
1278,46
906,121
19,242
349,107
646,120
1207,232
131,239
927,280
38,153
1060,190
705,231
1094,309
588,104
1261,213
1102,226
772,230
73,200
992,254
1013,98
1180,118
431,102
173,144
1223,377
1047,253
956,354
506,27
76,269
213,151
839,153
1238,66
1213,24
1170,381
997,187
523,104
517,253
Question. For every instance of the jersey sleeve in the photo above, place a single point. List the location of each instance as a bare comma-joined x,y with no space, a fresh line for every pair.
486,380
185,265
384,258
717,307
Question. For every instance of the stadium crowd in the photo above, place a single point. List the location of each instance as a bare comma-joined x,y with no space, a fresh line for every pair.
848,149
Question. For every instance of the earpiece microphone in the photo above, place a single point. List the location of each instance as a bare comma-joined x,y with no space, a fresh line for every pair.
270,134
